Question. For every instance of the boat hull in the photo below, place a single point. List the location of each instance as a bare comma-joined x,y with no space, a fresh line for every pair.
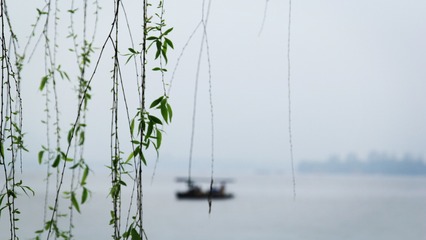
200,196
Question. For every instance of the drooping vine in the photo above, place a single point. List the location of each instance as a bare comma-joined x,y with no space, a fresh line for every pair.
289,99
204,42
148,126
53,157
11,124
265,11
83,51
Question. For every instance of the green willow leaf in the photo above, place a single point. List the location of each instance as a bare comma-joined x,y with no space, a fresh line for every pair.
85,174
155,120
75,166
1,150
135,235
156,102
152,38
70,135
159,138
159,47
164,110
169,109
84,195
142,158
135,153
131,155
57,160
1,199
169,42
43,82
164,52
74,202
149,131
81,142
132,126
167,31
40,12
40,156
25,188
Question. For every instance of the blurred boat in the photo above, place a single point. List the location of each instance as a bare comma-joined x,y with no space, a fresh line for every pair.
195,191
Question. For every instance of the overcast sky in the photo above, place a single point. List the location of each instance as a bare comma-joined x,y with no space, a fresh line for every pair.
358,83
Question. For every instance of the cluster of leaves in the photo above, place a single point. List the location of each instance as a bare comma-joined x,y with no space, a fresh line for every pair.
146,127
150,126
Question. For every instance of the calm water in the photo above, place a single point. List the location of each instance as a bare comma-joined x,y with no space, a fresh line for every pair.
325,208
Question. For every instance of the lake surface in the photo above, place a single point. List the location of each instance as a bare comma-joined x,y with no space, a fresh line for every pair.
325,208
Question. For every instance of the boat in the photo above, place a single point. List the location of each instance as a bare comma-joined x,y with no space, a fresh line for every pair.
195,191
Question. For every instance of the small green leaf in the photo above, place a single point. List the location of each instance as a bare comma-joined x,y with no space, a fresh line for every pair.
81,142
135,235
72,10
1,150
154,119
57,160
152,38
132,126
169,42
156,102
164,52
164,111
75,166
168,31
131,155
70,135
40,156
43,82
169,109
159,47
25,188
41,12
149,131
159,138
130,57
74,202
134,153
84,195
142,158
85,174
132,51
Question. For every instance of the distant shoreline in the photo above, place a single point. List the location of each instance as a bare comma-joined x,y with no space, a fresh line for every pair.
372,165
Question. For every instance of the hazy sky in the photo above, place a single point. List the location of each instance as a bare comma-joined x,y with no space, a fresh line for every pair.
358,83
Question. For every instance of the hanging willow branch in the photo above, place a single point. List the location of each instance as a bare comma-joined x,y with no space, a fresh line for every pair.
11,123
289,99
